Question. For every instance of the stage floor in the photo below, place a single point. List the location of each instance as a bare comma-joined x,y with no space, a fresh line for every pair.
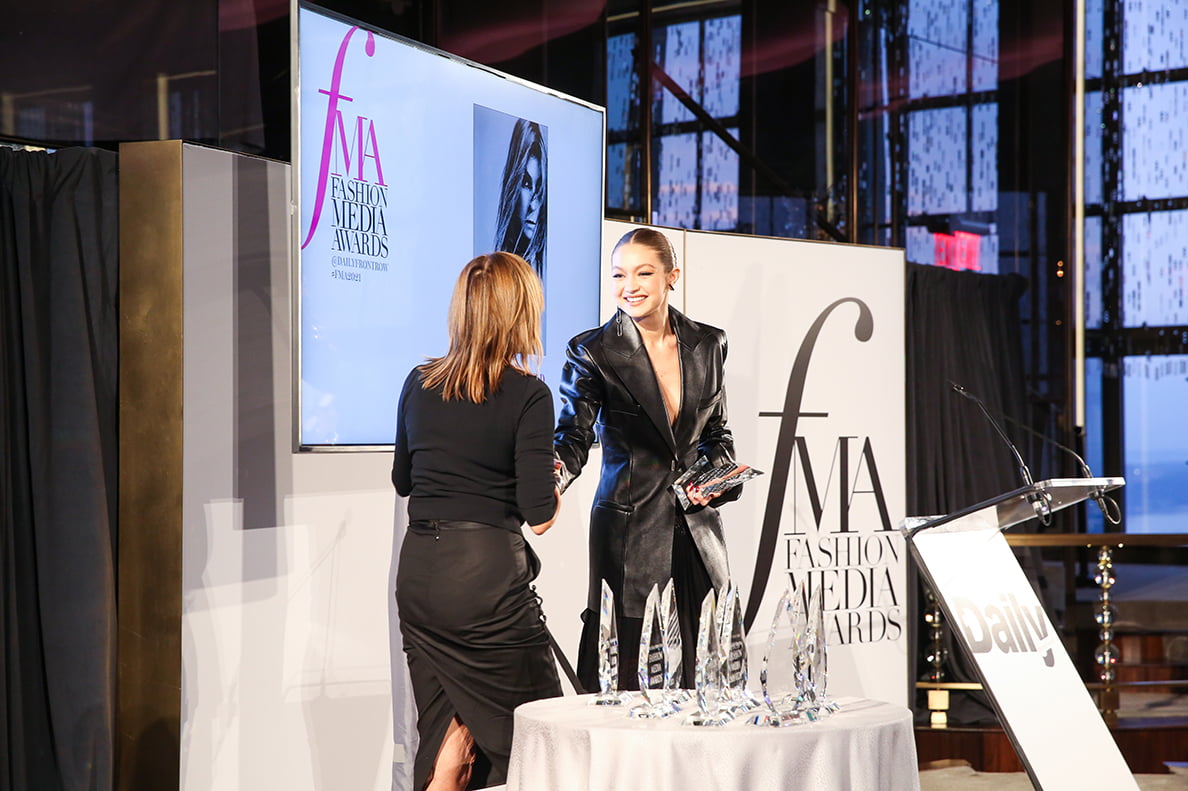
963,778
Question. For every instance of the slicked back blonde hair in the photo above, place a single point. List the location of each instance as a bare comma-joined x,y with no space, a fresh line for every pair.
494,321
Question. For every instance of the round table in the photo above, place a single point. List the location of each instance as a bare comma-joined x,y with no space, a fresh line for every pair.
566,743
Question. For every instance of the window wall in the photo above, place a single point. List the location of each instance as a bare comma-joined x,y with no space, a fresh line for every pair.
941,126
1136,255
696,70
714,120
951,120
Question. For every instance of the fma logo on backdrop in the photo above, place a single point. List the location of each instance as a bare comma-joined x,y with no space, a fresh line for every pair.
849,566
815,331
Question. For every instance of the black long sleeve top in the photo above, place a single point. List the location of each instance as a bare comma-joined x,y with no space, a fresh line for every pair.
490,463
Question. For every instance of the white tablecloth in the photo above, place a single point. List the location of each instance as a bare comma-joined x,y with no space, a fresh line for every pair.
565,743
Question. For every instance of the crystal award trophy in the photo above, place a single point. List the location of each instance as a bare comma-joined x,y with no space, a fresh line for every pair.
652,663
806,658
822,660
737,673
724,621
673,656
820,664
711,480
608,652
777,675
709,669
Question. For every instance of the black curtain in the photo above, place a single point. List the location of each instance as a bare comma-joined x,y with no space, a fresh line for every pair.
58,478
963,328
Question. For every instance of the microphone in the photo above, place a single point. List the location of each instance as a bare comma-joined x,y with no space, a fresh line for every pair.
1040,503
1108,506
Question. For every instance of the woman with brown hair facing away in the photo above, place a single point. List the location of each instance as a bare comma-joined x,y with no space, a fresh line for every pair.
474,457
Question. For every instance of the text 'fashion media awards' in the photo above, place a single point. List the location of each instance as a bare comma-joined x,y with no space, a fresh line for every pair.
825,540
350,180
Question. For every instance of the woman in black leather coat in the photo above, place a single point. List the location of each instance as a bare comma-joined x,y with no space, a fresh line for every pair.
650,385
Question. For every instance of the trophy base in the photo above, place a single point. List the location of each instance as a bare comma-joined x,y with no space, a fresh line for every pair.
777,719
805,706
678,697
743,701
611,699
653,711
702,719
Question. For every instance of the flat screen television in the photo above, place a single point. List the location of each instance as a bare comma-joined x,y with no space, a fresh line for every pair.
409,162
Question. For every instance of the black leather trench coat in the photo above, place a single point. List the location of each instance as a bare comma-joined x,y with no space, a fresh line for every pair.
609,389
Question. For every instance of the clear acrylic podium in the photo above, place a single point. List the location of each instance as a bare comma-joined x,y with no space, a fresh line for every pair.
999,621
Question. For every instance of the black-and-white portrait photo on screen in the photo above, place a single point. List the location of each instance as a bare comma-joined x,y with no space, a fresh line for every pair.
510,186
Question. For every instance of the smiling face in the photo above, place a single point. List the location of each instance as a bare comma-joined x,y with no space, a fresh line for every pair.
640,283
530,195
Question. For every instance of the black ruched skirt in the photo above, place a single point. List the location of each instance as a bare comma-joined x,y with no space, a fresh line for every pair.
474,638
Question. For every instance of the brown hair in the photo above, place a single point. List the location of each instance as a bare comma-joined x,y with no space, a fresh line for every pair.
494,321
653,240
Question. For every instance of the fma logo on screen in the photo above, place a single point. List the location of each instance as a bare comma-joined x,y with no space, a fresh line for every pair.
350,175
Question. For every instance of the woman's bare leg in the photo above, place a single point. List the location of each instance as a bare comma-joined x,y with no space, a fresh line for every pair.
455,758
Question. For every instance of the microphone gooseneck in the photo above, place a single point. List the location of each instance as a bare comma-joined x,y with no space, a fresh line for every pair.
1023,470
1109,508
1048,440
1107,505
1039,500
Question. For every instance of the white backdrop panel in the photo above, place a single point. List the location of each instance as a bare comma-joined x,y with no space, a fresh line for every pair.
285,557
834,457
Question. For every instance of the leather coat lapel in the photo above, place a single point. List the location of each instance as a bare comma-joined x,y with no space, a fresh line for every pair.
630,360
692,372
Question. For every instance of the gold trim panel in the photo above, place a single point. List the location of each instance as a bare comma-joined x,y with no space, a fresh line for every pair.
150,489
